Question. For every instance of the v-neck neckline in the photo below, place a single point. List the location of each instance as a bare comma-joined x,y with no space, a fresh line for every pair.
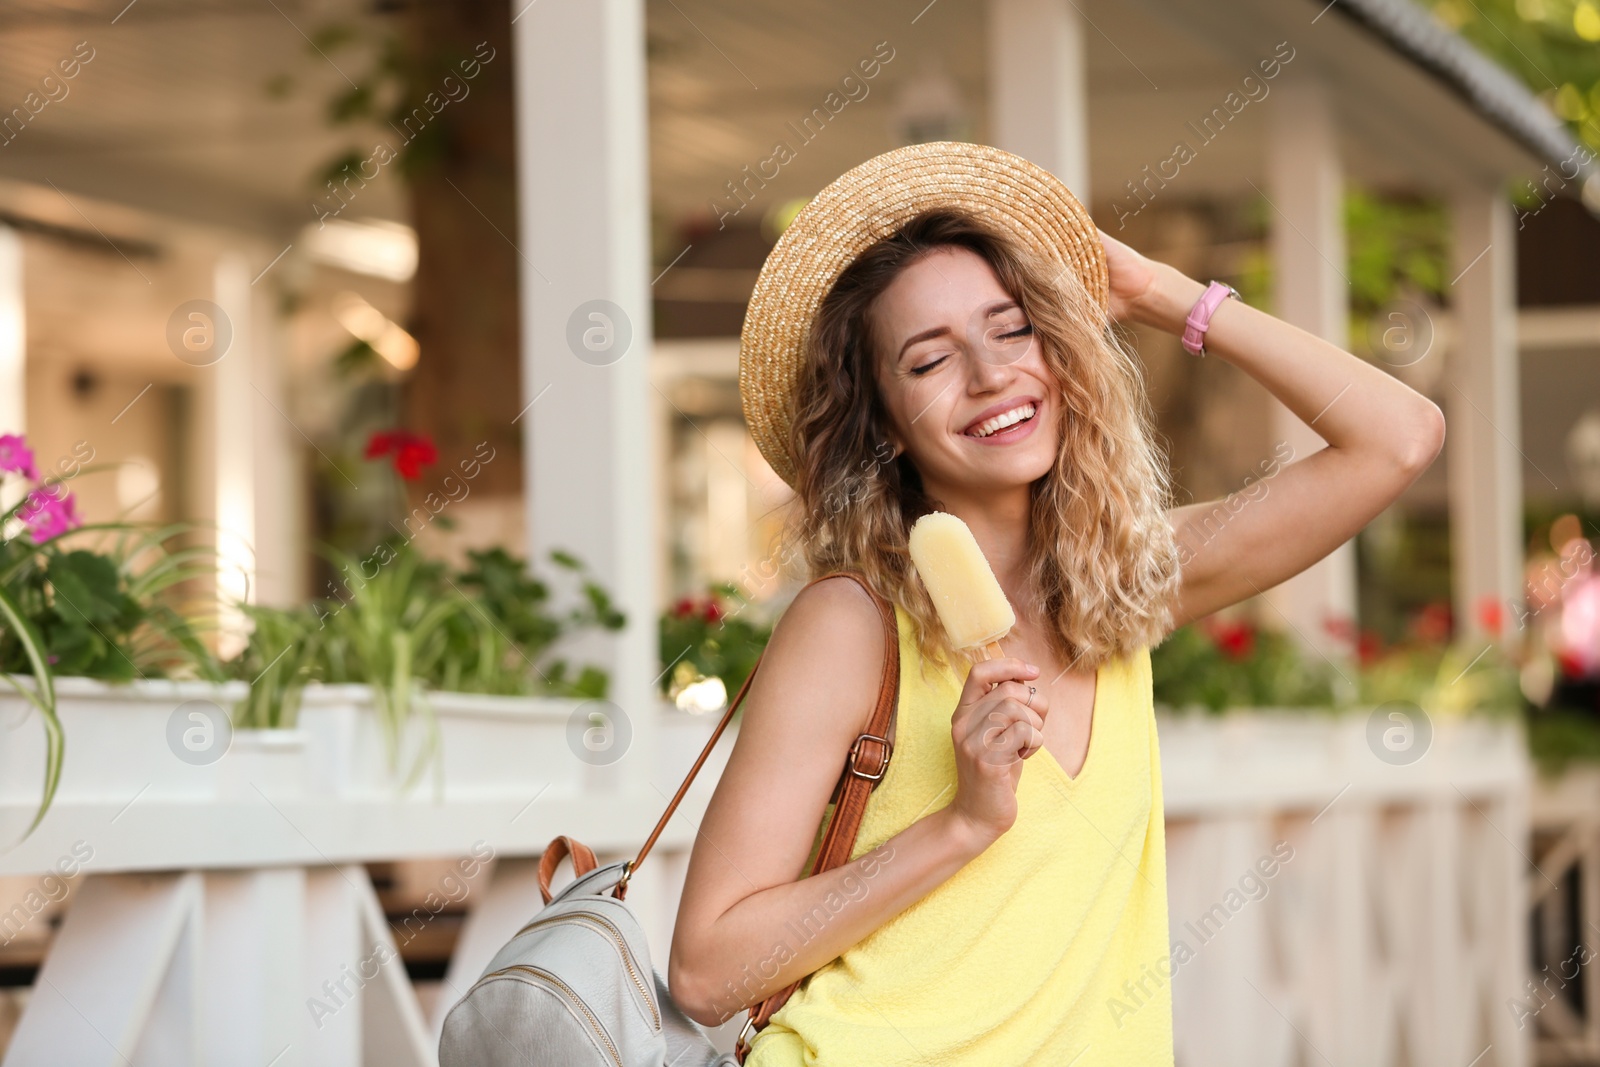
1094,733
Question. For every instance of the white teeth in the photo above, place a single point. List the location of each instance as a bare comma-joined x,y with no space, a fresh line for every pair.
1002,420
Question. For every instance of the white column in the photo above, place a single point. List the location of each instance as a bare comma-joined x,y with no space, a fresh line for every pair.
278,521
1039,86
13,347
1483,411
583,238
232,439
1306,188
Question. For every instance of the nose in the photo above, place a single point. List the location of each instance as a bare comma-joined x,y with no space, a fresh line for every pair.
991,365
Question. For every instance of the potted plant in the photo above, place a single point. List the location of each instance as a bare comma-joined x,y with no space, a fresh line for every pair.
414,665
92,644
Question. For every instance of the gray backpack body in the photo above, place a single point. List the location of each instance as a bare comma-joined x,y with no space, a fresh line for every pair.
575,988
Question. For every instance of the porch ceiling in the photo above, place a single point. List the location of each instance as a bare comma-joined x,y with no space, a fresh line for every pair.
173,113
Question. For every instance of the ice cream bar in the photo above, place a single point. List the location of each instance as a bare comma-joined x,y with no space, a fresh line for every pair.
969,599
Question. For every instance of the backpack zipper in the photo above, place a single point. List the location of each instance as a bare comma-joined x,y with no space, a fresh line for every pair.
570,994
609,928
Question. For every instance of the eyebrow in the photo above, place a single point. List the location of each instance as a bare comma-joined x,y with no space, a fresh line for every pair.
944,331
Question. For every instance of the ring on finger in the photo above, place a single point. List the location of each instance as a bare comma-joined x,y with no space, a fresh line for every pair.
1031,691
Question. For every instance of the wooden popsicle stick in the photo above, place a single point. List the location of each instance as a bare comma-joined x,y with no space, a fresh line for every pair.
993,651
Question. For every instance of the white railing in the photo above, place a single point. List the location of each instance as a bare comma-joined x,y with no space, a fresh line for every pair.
1562,1002
1392,927
1326,906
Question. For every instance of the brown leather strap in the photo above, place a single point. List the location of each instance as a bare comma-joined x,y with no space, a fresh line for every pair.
583,861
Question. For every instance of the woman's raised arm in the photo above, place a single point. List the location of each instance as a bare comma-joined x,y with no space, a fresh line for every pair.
1381,436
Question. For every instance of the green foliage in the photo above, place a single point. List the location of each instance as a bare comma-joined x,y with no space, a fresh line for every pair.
405,625
1552,45
105,611
1233,665
1557,739
396,79
1396,247
1443,678
704,639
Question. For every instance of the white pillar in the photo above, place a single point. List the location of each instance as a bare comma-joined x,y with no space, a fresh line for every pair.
232,439
279,511
583,238
1483,411
1306,188
1039,86
13,347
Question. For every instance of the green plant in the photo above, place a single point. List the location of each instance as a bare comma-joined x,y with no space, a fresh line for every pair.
700,639
405,625
1446,679
91,601
1223,663
1558,738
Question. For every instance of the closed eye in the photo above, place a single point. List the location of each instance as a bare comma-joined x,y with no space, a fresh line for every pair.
926,367
1023,331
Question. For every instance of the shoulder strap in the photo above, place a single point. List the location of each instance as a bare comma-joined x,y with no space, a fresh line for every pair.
865,765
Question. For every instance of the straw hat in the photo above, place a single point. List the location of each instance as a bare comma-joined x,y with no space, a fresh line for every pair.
862,207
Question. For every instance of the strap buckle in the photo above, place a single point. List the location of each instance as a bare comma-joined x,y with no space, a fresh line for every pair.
855,754
741,1044
620,890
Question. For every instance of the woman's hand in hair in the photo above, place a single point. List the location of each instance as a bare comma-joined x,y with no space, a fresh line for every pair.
1133,276
994,728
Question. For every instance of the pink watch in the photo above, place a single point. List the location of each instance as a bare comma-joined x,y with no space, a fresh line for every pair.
1199,320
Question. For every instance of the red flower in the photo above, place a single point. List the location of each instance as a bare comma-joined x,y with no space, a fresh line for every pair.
1432,624
683,608
713,611
380,443
411,451
1340,627
1491,614
1369,647
1571,665
1235,639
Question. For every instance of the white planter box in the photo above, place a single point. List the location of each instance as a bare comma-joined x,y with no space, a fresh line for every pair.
117,743
489,747
1266,757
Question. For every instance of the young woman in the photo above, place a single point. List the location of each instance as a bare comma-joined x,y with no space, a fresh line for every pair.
931,333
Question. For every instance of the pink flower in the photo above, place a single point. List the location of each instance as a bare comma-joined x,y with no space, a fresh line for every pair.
15,455
48,515
1580,627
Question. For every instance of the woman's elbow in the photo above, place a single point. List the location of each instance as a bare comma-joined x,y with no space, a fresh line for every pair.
690,995
1425,438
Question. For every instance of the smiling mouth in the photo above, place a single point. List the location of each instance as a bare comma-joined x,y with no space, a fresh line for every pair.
1003,421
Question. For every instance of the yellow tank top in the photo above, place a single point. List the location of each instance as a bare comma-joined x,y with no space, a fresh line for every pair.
1048,948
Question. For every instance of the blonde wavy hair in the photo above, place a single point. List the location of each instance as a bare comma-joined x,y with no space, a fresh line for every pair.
1102,562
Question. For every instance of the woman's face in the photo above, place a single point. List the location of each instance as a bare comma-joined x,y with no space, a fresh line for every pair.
969,397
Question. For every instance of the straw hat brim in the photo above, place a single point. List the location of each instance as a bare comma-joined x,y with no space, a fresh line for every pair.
861,208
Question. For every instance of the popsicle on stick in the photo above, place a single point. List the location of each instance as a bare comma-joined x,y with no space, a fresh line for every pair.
966,593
